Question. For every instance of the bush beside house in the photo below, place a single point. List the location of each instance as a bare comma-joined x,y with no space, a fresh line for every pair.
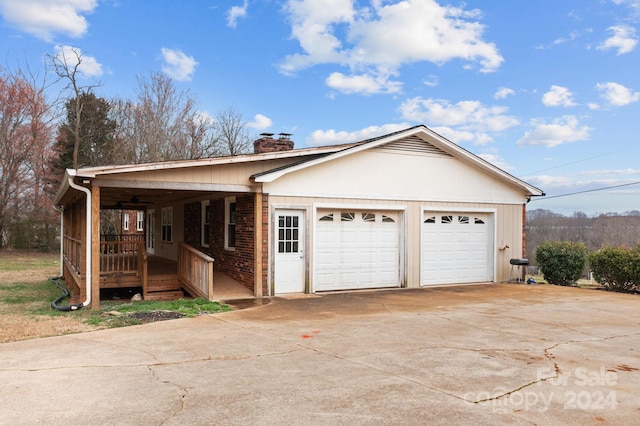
617,268
561,262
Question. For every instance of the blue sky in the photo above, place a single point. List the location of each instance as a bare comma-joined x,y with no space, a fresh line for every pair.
547,90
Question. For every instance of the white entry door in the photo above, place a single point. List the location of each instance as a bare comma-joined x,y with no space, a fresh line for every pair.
151,231
289,252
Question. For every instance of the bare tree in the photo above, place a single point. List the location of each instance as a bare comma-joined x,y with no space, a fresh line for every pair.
67,66
166,124
231,132
25,137
122,113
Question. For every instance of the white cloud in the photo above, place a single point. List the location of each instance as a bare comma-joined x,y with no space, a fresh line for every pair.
496,160
572,36
548,181
205,117
89,66
237,12
44,18
260,122
363,83
558,96
378,40
624,39
561,130
333,137
616,94
503,93
615,172
178,65
431,80
633,4
462,136
472,118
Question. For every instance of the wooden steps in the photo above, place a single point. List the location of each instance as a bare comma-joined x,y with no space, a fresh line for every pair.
163,287
120,280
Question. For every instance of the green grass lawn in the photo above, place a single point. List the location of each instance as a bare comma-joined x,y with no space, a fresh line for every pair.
33,299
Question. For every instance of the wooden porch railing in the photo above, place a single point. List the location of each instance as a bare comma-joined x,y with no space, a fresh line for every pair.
121,256
195,271
122,237
72,252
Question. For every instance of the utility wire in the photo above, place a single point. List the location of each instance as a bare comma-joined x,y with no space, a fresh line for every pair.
571,163
585,191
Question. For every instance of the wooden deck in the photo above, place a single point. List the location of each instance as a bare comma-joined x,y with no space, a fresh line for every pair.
163,282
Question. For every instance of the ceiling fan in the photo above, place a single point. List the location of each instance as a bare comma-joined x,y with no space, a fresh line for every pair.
135,200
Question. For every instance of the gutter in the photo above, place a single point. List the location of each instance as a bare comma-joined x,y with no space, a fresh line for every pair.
61,211
88,272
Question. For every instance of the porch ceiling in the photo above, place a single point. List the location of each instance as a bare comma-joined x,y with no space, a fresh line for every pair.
140,199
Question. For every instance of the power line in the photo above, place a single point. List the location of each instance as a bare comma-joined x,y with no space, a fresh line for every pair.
571,163
585,191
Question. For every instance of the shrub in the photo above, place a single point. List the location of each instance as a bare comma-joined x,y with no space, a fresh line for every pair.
616,268
561,262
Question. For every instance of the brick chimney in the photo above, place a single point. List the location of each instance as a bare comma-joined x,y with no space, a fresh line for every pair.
268,144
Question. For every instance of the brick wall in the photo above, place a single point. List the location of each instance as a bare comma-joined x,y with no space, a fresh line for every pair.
192,225
524,230
133,223
265,244
237,263
268,144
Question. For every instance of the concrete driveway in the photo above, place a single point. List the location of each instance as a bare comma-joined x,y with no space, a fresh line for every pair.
484,354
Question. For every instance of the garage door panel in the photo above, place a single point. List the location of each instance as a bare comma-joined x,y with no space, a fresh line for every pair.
365,249
455,248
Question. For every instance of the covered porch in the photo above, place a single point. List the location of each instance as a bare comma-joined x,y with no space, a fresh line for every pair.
169,258
124,263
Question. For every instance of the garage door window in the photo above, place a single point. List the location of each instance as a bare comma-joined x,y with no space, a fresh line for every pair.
347,217
327,218
446,219
368,217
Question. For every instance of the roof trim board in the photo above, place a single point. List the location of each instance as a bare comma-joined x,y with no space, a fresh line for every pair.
439,142
309,157
90,172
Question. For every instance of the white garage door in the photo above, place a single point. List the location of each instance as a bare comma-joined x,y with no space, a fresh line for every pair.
456,248
356,249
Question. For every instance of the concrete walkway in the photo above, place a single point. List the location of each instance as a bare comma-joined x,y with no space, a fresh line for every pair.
485,354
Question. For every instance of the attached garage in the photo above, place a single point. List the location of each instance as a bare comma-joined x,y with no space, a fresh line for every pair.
457,247
356,249
379,214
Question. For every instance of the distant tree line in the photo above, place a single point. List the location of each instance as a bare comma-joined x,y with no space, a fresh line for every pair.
596,232
40,138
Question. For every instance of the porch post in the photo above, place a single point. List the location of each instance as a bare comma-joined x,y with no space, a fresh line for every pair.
257,244
95,247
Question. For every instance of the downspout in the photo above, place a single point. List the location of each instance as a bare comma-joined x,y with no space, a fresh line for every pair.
61,211
88,271
56,280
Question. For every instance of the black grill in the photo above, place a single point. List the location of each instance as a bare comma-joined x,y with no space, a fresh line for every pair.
519,262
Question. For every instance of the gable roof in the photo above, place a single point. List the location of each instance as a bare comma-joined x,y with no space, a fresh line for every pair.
416,139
